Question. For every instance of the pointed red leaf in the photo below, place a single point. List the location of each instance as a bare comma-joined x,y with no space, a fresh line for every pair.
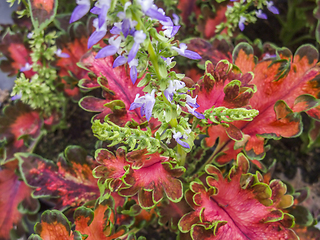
70,178
218,215
13,193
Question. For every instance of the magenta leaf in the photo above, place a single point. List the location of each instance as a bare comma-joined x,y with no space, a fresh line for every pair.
69,179
218,215
151,176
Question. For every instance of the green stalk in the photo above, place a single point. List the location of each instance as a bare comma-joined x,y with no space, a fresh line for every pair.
151,51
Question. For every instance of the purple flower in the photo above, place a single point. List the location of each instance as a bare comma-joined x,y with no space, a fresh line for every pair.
194,112
173,87
260,14
192,101
98,34
80,10
26,67
17,96
241,22
186,53
168,60
272,8
146,104
178,136
170,29
133,70
139,37
101,8
59,53
151,10
120,60
175,19
126,23
111,49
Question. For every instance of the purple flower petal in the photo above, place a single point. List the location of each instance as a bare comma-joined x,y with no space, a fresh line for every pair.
125,27
64,55
133,74
103,14
148,106
107,51
191,55
183,144
168,95
120,60
95,10
175,19
198,115
241,22
115,30
153,13
79,12
261,15
273,9
135,105
95,37
133,51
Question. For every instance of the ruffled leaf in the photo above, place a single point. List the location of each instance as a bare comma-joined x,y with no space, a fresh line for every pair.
70,178
151,177
218,215
282,93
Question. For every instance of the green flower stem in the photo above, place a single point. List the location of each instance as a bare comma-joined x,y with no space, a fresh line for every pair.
151,51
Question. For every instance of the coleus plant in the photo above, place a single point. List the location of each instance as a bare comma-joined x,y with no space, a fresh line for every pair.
149,166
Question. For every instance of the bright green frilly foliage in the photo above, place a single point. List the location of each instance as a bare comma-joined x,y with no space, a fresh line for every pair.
41,91
221,115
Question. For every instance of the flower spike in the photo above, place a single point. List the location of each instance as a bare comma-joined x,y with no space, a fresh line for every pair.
80,10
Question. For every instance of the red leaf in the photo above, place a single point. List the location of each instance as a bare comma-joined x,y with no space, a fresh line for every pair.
151,176
54,225
70,179
13,193
97,224
291,79
18,124
218,215
17,54
116,84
